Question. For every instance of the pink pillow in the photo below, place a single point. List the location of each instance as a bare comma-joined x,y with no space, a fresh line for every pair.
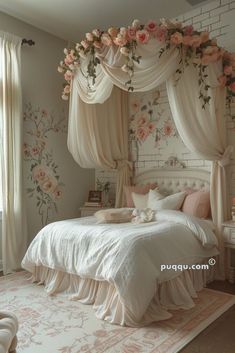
197,204
137,189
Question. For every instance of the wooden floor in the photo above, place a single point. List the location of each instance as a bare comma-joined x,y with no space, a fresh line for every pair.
219,337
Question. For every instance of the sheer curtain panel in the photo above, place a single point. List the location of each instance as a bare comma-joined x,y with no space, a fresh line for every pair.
14,234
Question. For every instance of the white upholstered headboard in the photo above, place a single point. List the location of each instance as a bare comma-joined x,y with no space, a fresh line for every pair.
172,180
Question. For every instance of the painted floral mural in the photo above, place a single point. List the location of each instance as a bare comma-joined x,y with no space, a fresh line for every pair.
46,186
150,118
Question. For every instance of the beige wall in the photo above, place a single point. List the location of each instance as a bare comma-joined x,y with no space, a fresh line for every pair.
42,84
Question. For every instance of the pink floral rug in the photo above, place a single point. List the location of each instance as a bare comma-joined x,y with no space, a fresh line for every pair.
55,324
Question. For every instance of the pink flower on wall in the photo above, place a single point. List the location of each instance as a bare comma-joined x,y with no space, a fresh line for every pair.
168,128
46,185
147,120
142,133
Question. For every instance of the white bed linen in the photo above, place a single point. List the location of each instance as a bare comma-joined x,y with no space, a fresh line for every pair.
128,256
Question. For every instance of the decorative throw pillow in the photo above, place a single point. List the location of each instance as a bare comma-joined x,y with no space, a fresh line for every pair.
114,215
157,201
138,189
141,201
197,204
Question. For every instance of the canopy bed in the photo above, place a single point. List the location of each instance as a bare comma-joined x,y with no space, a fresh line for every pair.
106,264
116,267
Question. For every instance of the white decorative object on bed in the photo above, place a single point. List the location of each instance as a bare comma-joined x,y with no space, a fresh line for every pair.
117,267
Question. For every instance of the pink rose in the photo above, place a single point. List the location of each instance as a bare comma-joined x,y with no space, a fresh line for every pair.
97,44
151,127
47,186
222,80
196,41
187,40
142,133
188,30
106,40
142,36
143,120
35,150
168,130
204,36
40,172
89,36
57,193
232,87
206,59
228,70
68,75
85,44
67,89
161,34
113,32
215,56
176,38
120,40
131,32
151,26
209,50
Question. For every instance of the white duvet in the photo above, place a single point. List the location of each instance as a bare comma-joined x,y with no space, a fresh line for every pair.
127,255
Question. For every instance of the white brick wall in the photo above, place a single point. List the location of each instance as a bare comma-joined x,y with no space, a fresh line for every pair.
218,18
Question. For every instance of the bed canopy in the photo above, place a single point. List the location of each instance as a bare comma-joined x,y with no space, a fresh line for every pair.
102,70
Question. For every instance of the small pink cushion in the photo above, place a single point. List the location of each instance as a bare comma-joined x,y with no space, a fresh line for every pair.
137,189
197,204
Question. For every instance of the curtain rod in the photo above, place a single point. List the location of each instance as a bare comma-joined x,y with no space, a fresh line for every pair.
30,42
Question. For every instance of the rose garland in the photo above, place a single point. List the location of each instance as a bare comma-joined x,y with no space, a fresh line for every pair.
194,46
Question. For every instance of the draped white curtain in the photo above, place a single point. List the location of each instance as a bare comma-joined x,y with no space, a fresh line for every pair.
14,234
202,130
99,137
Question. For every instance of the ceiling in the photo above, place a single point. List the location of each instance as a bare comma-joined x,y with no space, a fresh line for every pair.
70,19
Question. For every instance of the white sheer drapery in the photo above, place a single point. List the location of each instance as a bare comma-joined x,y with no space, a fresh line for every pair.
14,235
202,130
99,138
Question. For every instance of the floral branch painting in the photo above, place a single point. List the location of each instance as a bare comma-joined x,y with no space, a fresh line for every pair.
148,118
44,177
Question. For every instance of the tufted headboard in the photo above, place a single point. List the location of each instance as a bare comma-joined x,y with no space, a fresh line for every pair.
172,180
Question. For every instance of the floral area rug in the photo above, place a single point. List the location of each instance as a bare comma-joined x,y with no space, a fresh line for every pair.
58,325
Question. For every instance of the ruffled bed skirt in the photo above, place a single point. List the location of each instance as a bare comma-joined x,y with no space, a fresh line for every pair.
177,293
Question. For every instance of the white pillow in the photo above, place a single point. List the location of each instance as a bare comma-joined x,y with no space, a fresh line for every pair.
172,202
141,201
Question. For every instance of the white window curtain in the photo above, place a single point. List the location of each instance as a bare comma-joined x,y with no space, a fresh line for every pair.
14,234
202,130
